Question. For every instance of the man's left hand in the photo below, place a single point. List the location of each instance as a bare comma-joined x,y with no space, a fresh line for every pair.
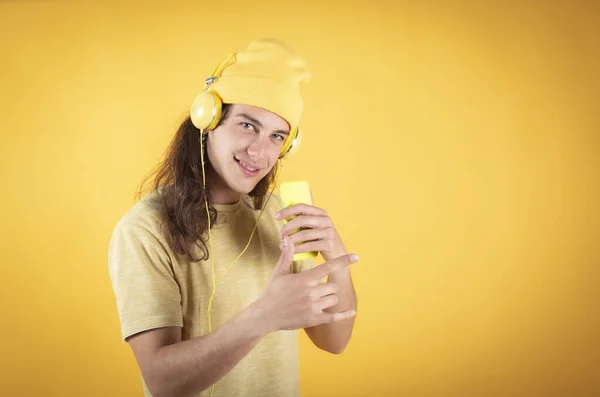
317,232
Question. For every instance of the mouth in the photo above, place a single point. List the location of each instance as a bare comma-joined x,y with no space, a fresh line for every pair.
247,168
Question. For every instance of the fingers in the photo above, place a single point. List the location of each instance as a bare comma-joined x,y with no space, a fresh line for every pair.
328,298
326,302
300,209
312,235
319,246
332,317
317,240
321,271
285,258
324,290
306,221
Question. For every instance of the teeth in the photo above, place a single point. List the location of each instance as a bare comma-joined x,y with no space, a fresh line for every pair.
246,166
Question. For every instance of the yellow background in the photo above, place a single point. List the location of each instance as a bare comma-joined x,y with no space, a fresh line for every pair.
455,144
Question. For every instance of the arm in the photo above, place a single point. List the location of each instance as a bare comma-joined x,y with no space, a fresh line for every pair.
171,367
319,234
149,303
334,337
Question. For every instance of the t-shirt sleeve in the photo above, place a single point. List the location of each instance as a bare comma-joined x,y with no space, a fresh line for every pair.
143,281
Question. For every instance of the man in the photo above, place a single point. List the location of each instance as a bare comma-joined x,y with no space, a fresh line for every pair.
209,296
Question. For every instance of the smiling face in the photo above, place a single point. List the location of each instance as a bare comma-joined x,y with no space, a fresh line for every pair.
243,149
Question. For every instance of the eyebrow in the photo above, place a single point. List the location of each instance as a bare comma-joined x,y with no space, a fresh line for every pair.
259,124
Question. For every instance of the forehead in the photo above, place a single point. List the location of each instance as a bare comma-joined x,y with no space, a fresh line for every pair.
268,119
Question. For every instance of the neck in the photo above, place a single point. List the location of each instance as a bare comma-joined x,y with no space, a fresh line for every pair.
220,192
218,197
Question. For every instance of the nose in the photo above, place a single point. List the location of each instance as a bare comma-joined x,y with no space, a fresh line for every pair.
256,149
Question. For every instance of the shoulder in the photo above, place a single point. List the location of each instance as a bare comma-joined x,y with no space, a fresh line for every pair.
145,213
140,226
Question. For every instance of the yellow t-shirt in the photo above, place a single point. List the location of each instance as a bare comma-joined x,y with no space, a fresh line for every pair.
155,287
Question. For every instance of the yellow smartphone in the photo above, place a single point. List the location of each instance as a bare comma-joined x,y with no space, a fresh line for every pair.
296,192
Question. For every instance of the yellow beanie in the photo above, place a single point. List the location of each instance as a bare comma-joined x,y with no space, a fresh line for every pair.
268,74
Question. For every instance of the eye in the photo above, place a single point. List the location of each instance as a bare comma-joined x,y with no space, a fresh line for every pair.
278,137
248,126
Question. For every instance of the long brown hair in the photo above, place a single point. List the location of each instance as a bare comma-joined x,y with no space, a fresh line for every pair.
178,180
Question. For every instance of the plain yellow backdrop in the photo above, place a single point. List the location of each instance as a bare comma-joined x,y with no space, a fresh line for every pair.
455,145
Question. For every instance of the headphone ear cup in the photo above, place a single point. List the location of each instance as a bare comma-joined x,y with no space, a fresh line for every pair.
291,143
205,111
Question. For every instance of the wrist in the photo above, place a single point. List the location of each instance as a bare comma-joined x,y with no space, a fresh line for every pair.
257,320
338,249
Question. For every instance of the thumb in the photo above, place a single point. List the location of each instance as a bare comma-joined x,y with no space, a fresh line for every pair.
285,259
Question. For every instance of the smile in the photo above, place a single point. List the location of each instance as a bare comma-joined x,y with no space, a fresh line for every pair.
247,168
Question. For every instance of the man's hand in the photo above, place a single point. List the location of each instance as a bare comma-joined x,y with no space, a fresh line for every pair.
312,229
317,232
293,301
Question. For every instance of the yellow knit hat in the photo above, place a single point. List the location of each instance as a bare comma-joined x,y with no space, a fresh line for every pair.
268,74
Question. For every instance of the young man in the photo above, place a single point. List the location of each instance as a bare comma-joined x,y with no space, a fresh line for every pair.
209,296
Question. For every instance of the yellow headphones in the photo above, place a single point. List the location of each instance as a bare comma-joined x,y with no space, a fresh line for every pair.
206,108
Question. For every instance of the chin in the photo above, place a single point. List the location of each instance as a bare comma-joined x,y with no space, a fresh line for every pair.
243,187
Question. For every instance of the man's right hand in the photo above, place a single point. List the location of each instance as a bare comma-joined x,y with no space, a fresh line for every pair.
293,301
